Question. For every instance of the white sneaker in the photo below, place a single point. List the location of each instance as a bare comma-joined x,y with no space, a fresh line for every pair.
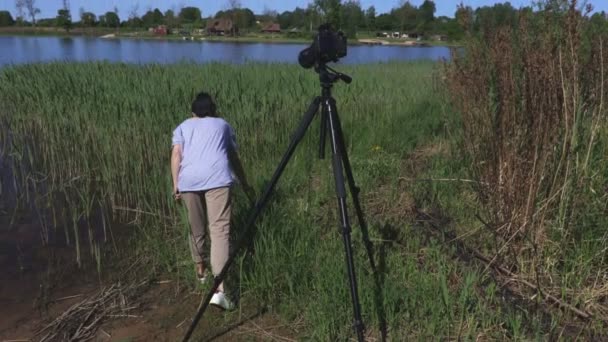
219,300
203,279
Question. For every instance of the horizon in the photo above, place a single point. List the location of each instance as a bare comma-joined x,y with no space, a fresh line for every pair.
48,9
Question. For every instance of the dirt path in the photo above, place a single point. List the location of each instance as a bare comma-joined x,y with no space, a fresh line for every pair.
38,284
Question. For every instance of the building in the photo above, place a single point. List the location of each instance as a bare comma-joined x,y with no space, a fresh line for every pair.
440,37
271,28
221,26
161,30
295,32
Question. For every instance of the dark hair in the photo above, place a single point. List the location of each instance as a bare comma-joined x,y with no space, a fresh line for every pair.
203,106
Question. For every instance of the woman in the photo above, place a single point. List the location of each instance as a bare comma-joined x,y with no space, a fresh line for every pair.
203,160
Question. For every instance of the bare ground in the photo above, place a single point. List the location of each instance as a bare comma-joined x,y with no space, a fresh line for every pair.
34,292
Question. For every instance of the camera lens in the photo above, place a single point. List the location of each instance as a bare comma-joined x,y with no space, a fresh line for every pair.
307,58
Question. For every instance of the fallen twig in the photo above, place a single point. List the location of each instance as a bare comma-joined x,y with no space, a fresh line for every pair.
139,211
182,323
68,297
105,333
439,180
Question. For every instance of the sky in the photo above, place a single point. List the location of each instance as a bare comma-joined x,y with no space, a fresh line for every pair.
49,8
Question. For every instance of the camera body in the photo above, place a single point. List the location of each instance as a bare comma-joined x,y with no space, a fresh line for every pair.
327,46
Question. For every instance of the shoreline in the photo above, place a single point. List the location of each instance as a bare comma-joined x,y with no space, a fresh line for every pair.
140,35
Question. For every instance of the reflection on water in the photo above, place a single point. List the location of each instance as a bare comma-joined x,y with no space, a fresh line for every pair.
18,50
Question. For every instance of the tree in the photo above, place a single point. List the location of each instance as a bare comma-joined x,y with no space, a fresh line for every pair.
134,19
170,19
296,19
285,19
406,16
87,19
33,11
190,15
370,18
353,17
426,16
6,19
557,6
330,11
386,21
244,18
234,13
464,20
20,6
110,19
489,18
158,17
64,17
153,18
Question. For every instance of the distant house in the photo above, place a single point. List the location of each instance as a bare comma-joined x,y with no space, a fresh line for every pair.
221,26
440,37
161,30
271,28
294,32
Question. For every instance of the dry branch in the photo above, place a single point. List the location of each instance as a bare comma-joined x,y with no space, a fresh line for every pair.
81,321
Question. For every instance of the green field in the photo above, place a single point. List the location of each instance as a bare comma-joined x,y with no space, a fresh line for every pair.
96,135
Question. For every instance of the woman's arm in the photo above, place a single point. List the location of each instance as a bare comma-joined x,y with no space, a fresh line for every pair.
239,171
176,160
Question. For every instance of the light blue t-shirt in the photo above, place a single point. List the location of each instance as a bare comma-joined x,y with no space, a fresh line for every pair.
205,145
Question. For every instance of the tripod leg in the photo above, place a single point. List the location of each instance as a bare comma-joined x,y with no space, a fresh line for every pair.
323,134
262,202
354,191
330,106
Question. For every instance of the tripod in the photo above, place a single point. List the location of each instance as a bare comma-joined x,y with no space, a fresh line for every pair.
330,123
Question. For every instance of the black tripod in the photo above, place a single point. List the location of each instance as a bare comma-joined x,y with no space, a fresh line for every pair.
330,123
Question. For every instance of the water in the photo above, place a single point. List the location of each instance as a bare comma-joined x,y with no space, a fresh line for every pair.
23,49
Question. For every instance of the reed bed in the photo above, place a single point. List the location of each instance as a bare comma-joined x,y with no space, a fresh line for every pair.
89,142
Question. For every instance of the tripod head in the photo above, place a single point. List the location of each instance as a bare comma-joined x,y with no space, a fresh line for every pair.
329,76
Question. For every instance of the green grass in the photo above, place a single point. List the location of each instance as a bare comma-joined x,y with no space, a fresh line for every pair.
98,135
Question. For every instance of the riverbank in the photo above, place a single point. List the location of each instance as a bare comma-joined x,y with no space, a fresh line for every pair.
111,33
55,32
281,39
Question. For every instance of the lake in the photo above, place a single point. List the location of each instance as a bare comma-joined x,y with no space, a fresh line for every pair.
25,49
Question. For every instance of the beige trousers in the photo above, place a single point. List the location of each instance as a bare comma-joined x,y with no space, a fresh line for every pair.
213,207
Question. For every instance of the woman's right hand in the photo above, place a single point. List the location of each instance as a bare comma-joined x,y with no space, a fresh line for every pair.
176,195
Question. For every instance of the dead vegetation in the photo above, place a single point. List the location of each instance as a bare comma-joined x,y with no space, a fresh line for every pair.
82,320
532,100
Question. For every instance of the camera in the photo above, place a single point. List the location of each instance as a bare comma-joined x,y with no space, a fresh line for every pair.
327,46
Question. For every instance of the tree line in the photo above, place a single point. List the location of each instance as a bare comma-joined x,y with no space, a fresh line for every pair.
347,15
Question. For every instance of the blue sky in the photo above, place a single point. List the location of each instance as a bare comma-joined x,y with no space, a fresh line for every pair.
209,7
